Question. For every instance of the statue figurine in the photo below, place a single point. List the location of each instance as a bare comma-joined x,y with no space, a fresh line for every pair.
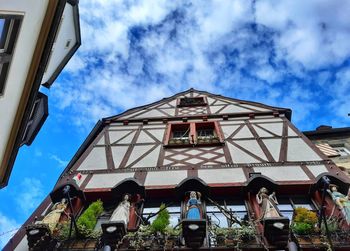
341,200
122,212
52,218
268,204
193,205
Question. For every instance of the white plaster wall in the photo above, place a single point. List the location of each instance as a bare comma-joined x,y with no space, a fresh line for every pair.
165,178
238,156
228,130
107,180
95,160
225,175
266,119
33,12
59,51
276,128
150,160
298,150
150,114
283,173
137,152
255,107
234,109
274,147
118,153
23,245
317,169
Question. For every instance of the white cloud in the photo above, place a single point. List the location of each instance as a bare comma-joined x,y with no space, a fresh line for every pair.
8,228
313,33
135,52
61,163
29,194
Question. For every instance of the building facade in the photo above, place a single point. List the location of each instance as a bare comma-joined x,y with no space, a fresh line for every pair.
334,143
195,170
37,39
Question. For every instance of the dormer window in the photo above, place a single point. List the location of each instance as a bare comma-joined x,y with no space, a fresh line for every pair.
198,101
193,134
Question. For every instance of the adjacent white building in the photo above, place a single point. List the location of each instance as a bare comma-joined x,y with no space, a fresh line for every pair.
37,40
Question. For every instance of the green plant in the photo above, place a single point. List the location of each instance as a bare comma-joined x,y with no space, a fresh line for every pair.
87,221
304,221
246,232
302,228
63,230
306,216
161,221
170,231
332,224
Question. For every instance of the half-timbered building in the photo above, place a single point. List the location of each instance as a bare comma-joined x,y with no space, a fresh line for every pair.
226,173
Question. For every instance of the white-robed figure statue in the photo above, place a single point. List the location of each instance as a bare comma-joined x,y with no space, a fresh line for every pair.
52,218
268,204
122,212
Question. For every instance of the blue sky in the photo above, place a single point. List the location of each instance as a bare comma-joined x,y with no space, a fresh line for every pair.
291,53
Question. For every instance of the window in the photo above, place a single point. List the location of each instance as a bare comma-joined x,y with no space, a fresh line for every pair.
218,218
199,101
343,151
9,27
174,212
104,218
287,205
195,133
207,133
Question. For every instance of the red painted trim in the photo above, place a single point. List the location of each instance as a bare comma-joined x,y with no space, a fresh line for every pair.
193,133
219,131
94,190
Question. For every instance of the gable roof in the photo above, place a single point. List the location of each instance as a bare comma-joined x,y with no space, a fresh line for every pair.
219,106
134,111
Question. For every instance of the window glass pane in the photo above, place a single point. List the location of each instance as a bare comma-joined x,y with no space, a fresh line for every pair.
2,24
218,219
173,209
100,220
149,210
242,216
342,151
174,219
180,133
308,206
211,208
174,212
284,207
205,132
237,208
288,214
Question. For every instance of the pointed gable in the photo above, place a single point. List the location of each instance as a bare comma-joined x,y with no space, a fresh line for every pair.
212,104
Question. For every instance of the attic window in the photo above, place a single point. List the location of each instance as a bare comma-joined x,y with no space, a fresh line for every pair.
193,134
9,28
199,101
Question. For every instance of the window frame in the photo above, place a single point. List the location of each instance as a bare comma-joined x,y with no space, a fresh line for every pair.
8,39
228,204
343,151
153,207
294,202
193,138
182,103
